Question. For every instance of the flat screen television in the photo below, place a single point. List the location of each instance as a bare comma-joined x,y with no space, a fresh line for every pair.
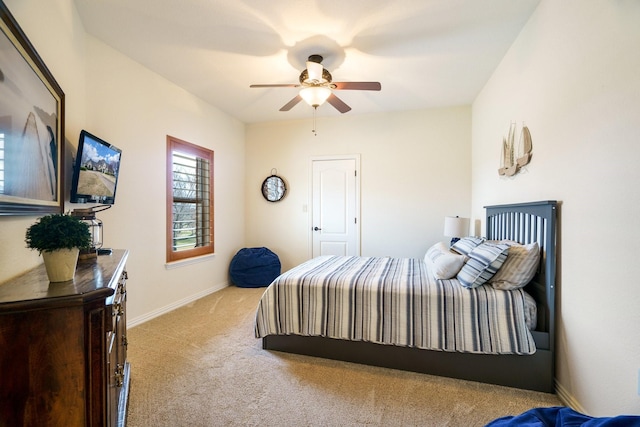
96,169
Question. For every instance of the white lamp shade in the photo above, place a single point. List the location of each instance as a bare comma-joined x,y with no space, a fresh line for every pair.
456,227
315,95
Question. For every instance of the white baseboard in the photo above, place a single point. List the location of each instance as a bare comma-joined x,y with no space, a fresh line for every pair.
568,400
167,308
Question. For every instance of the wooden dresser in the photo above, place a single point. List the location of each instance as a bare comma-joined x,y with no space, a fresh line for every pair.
63,347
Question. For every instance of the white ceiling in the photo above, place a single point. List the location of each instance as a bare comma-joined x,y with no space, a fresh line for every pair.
425,53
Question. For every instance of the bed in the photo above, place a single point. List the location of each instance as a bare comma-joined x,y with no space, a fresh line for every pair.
374,310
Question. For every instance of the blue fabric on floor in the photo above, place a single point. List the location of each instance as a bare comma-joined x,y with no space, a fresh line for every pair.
558,416
254,267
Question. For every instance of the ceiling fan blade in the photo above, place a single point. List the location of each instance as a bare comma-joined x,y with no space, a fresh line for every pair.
357,85
276,85
338,104
289,105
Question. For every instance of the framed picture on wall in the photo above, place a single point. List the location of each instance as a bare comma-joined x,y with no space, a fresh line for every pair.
31,127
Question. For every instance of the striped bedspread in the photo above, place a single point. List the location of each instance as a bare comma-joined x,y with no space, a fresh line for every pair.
392,301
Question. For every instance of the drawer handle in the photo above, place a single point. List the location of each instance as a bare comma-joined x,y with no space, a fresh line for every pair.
118,309
119,374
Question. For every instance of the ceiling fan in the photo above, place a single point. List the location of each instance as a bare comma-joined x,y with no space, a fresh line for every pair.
317,85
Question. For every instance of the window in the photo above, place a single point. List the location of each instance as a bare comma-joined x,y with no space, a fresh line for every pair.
189,200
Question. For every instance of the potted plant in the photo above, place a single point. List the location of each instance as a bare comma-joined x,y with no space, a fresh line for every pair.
59,238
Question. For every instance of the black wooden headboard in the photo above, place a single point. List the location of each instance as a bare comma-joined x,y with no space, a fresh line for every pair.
527,223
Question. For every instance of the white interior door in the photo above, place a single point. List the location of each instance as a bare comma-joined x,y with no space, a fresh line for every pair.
335,206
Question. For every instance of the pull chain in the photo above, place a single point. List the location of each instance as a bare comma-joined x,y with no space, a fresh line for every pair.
315,107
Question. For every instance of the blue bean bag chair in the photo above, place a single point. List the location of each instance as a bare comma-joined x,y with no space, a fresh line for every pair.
254,267
563,417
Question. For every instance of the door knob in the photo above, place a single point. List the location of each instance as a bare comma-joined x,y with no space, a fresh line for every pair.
316,229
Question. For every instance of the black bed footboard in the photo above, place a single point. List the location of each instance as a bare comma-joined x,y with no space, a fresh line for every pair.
525,372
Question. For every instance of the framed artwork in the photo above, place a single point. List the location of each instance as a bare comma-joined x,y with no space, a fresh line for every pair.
31,127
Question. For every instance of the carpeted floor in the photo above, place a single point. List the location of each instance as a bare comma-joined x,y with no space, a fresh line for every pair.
200,365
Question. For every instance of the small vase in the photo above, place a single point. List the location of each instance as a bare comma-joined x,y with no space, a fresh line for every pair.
61,264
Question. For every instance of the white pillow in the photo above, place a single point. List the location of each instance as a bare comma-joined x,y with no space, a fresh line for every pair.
443,263
519,268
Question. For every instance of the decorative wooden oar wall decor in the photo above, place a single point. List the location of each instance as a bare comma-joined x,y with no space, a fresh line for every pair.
513,157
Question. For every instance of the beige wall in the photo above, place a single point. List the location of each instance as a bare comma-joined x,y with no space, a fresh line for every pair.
415,170
145,108
134,109
573,76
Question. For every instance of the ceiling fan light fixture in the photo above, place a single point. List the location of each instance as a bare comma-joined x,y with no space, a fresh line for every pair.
317,84
315,96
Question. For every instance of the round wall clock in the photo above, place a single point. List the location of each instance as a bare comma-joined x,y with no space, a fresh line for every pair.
273,188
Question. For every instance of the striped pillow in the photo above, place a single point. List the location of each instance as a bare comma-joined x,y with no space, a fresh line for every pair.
484,261
443,263
466,244
519,268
